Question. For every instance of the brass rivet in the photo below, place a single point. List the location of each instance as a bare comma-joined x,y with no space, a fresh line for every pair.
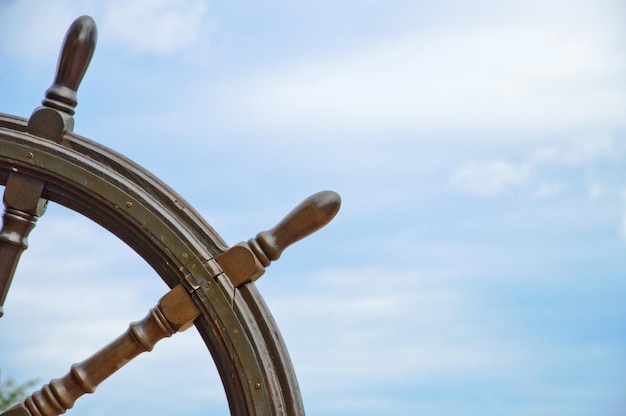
257,386
30,155
235,331
207,284
129,204
184,255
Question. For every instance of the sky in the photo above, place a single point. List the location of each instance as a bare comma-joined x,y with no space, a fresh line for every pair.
476,266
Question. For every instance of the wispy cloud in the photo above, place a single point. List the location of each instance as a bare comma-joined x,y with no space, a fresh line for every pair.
34,31
489,178
493,177
162,27
519,75
548,189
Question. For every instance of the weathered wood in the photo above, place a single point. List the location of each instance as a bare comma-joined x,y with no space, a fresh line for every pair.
175,312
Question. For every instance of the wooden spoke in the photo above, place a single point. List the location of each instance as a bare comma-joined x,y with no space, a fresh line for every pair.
23,205
175,312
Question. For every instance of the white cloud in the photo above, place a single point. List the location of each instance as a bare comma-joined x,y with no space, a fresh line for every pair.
596,190
580,150
519,75
35,30
420,320
493,177
548,189
160,27
386,330
488,179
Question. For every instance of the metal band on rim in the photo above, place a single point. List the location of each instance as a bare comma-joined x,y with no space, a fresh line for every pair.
172,237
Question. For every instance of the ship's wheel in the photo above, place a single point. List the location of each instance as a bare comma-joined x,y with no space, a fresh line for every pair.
211,285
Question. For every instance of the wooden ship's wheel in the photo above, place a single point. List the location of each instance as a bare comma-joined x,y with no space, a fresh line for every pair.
211,285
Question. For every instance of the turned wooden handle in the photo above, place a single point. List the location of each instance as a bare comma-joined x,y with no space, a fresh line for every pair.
78,48
246,262
312,214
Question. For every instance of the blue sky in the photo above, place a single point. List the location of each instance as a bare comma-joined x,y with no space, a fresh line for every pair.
477,264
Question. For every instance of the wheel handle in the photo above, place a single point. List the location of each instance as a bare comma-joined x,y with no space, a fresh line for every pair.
246,261
55,116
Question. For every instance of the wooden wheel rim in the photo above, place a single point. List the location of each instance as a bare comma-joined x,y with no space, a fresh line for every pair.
172,237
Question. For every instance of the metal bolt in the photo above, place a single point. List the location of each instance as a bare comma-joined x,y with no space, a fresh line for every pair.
129,204
30,155
257,386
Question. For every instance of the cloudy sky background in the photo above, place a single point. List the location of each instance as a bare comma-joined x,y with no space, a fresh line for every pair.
477,264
